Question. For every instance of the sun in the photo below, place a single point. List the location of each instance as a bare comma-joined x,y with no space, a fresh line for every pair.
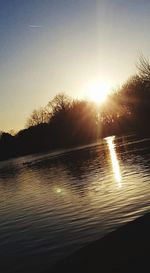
98,92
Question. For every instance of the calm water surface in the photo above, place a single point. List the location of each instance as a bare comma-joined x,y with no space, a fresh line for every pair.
52,204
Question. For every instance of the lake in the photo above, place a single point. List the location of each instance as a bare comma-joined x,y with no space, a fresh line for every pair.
54,203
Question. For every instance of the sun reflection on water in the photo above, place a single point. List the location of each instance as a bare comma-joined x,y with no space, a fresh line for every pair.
114,160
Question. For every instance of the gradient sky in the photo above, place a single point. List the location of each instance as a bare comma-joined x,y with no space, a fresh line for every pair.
49,46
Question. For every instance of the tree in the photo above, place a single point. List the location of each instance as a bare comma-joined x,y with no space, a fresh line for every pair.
6,145
143,67
42,115
60,102
134,97
84,121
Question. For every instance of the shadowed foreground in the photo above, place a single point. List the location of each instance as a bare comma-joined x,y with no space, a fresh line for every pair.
124,250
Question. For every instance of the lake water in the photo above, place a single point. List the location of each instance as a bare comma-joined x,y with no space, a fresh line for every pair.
52,204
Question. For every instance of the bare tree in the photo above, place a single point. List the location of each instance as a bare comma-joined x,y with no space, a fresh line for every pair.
41,115
60,102
143,67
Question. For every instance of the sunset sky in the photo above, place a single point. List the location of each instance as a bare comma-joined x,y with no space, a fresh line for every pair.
49,46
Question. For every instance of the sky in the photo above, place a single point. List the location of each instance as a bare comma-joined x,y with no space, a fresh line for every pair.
52,46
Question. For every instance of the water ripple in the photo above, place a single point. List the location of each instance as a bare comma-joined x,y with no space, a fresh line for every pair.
53,204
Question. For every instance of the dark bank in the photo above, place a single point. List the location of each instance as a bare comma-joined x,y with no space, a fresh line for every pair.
125,250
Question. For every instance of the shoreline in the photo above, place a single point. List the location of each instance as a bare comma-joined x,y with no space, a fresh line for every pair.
126,249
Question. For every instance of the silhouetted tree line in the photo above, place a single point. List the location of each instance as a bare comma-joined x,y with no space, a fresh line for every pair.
65,122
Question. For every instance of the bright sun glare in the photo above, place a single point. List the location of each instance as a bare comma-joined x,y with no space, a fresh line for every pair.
98,92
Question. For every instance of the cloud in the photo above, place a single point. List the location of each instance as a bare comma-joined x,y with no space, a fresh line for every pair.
35,26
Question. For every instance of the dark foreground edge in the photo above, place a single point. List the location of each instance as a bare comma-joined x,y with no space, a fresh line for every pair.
124,250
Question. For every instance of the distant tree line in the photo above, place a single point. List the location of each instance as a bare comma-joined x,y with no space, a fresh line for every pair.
65,122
